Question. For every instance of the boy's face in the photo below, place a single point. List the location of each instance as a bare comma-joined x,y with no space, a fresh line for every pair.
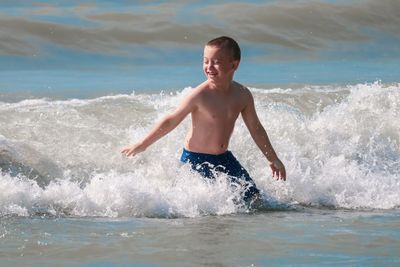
218,63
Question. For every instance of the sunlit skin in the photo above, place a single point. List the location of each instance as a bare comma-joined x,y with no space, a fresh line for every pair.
215,106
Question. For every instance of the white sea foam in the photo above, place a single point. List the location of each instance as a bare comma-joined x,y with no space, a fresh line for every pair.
340,146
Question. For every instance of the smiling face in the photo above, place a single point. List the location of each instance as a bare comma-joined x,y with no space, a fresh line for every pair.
218,64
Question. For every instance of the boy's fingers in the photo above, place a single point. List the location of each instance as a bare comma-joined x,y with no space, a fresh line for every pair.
127,152
278,174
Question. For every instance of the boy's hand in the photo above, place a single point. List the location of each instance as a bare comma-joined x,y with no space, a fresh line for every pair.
278,170
132,150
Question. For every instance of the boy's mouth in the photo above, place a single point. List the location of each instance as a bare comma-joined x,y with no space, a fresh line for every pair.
211,74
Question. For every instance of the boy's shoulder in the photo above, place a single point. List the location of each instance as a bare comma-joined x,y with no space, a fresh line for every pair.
236,86
197,93
198,90
204,90
241,89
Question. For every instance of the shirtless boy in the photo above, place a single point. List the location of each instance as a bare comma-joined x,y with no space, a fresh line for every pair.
215,106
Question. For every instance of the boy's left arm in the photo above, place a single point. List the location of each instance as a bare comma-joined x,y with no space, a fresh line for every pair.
260,137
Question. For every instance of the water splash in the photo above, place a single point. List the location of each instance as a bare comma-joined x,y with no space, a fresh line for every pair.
340,146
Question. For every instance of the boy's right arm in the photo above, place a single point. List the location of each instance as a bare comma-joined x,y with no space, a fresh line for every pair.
163,127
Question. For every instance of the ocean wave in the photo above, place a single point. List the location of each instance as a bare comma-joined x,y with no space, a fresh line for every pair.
340,145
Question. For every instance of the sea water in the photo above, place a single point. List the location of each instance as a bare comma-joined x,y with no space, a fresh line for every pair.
68,197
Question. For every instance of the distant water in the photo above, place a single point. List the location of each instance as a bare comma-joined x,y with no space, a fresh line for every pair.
67,193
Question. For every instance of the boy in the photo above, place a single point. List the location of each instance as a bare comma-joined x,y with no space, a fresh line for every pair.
214,106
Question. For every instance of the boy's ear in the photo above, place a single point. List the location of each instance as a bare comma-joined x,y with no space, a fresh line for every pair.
235,64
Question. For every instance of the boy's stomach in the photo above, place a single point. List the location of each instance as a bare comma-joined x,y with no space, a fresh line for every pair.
207,144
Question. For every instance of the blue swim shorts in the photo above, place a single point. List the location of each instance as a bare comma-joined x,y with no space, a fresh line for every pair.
208,165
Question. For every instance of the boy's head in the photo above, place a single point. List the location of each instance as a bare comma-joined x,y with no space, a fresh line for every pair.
228,44
221,59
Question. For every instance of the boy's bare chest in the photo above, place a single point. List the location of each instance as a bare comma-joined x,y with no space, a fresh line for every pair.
219,109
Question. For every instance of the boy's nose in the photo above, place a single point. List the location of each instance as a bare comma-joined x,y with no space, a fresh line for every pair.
210,66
